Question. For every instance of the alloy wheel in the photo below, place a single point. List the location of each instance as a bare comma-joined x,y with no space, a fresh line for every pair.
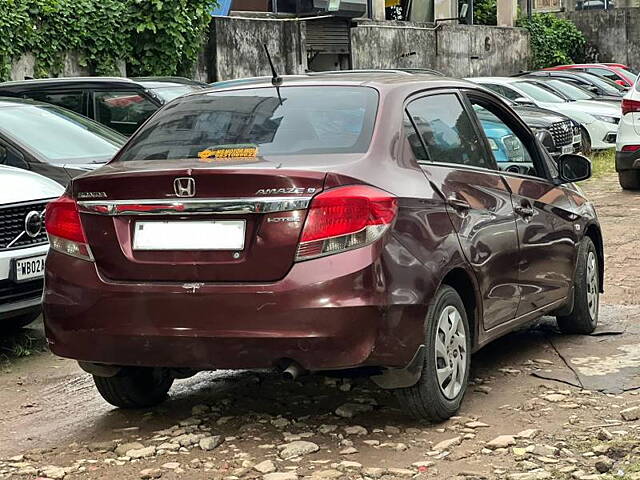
593,294
450,352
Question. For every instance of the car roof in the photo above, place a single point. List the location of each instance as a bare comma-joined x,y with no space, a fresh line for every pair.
169,80
495,79
95,82
78,82
383,80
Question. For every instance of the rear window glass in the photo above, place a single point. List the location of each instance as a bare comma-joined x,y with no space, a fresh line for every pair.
309,120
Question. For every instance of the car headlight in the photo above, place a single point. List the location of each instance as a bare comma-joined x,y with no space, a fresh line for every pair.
608,119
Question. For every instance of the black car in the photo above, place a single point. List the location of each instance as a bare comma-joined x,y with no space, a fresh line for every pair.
603,88
119,103
52,141
558,133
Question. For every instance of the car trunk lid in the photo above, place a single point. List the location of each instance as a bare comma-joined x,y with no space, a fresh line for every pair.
238,223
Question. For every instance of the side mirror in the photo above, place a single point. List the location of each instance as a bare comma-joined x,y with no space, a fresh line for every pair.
593,89
573,168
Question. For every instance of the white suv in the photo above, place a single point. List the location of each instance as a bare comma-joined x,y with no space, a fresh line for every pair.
628,140
23,243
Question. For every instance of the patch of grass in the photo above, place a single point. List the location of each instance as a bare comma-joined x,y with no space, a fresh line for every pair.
603,163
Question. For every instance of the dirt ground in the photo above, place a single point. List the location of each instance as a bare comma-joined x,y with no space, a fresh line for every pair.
540,406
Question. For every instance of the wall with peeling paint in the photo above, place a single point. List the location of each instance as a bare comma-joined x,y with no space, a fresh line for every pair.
235,48
612,35
455,50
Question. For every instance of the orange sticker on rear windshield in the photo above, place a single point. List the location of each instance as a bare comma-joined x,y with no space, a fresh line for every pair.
235,151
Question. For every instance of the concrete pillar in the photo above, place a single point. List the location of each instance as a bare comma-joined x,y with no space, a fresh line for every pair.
507,11
377,10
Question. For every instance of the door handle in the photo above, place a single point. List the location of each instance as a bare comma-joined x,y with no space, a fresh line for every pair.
523,211
458,203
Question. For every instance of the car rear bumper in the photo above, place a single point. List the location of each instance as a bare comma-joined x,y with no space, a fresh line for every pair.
327,313
627,161
18,299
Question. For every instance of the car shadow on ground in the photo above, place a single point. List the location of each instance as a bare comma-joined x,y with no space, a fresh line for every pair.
251,396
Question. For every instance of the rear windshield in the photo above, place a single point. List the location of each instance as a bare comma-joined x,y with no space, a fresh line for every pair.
59,135
308,120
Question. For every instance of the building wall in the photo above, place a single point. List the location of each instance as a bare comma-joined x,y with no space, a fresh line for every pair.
612,35
455,50
236,48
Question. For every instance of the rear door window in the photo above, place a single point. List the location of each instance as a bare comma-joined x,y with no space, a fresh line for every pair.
448,135
123,111
72,100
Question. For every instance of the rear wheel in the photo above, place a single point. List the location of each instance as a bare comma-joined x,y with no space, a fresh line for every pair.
584,317
445,373
135,387
629,179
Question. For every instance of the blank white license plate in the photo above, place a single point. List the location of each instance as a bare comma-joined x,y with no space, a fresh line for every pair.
29,268
567,149
189,235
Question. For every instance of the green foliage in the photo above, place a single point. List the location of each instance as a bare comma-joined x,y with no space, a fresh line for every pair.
485,12
554,41
154,37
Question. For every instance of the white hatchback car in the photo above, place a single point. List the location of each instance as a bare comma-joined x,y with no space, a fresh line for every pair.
23,243
628,141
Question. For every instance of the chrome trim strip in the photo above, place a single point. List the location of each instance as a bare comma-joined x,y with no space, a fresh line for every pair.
204,206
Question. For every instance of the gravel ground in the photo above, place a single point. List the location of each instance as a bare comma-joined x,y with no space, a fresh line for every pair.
246,425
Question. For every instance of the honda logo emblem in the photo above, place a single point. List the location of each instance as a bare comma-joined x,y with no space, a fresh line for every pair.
184,187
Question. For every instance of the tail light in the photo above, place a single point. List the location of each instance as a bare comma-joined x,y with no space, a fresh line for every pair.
630,106
631,148
345,218
62,222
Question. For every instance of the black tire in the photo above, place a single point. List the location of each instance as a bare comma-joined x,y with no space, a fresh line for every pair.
584,317
15,323
426,399
586,141
629,179
135,387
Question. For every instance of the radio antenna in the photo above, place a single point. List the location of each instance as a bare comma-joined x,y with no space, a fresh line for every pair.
276,80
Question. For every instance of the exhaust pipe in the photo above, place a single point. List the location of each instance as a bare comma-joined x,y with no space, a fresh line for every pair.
292,371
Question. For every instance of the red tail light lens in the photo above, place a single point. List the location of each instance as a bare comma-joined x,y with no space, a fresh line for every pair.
345,218
62,222
631,148
630,106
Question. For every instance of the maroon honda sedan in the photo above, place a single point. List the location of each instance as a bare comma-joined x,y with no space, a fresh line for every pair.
337,222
